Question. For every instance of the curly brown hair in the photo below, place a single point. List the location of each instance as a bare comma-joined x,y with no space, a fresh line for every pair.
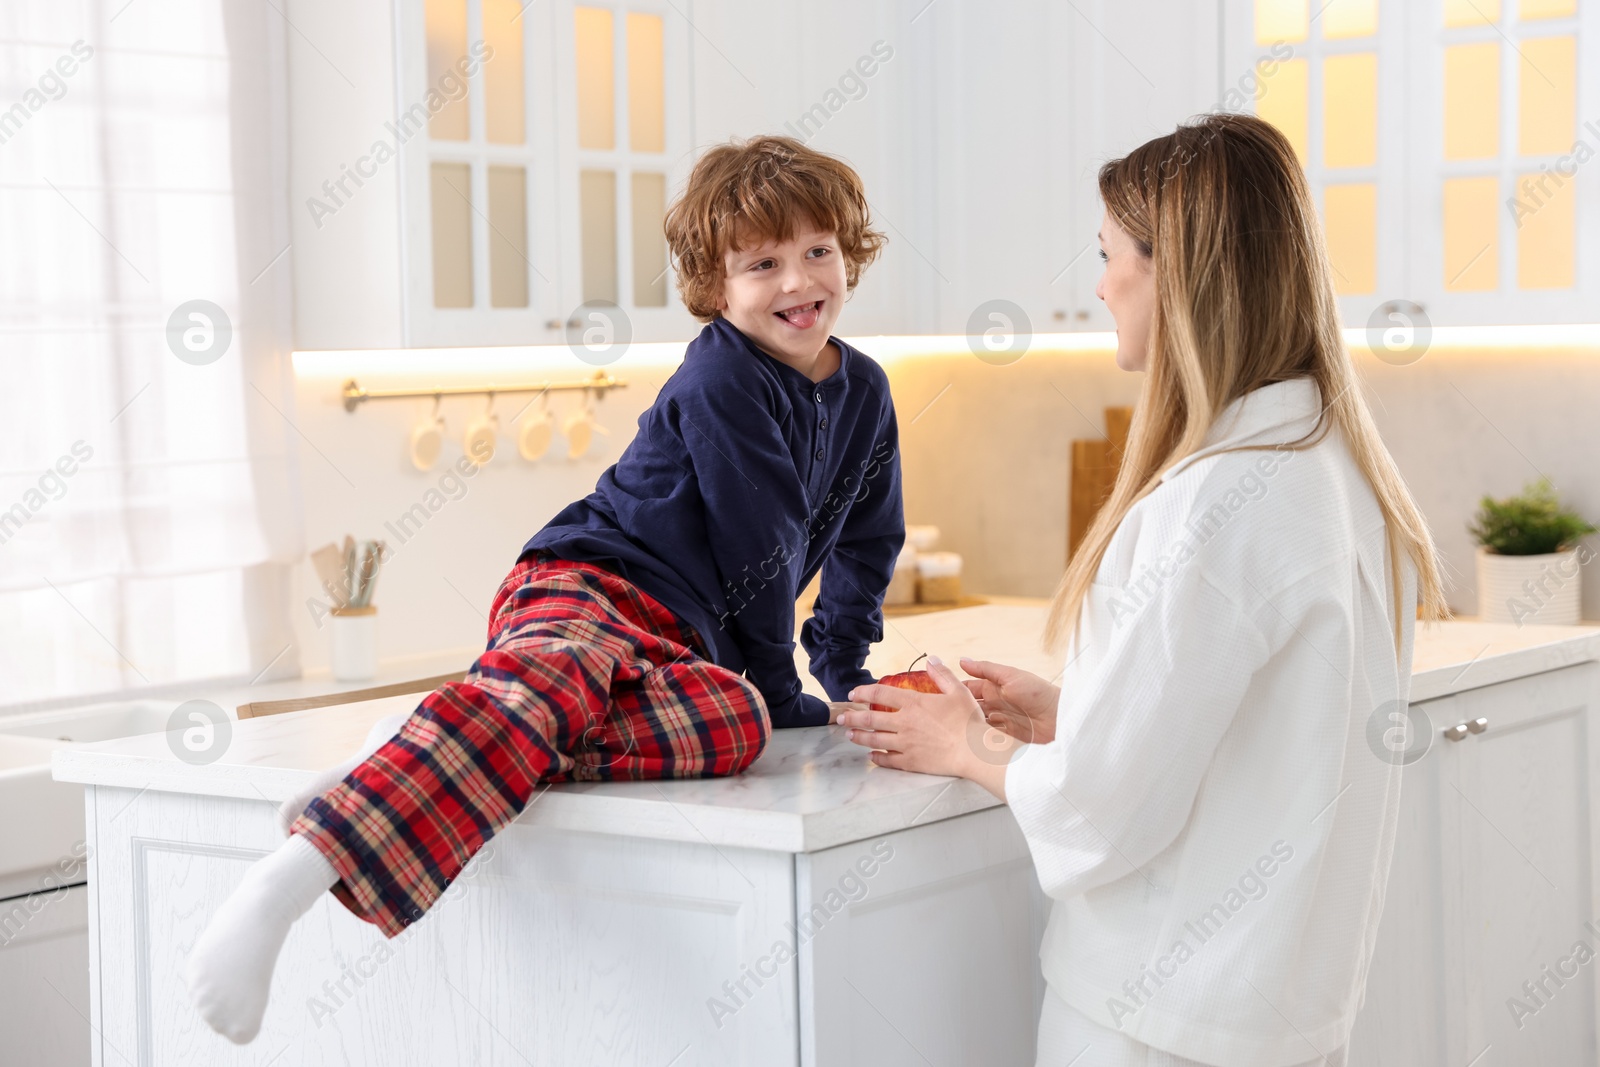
763,189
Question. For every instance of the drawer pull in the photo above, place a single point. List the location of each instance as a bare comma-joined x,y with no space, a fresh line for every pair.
1478,726
1456,732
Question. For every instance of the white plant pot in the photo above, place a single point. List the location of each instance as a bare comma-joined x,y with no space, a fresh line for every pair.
353,654
1541,590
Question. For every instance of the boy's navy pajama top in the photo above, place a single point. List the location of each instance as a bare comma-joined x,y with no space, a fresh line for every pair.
744,480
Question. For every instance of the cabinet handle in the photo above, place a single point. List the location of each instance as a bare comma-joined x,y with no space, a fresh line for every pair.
1478,726
1456,732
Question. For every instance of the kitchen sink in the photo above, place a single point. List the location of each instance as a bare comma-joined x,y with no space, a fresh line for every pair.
42,830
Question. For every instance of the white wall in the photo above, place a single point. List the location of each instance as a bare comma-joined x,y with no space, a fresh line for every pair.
986,452
436,591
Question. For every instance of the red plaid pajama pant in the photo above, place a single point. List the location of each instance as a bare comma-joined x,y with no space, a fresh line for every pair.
585,678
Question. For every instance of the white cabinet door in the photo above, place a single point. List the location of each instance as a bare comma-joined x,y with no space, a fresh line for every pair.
1502,206
481,258
997,142
1445,143
1333,78
1135,70
921,947
849,79
499,177
552,948
1031,100
1402,1022
1494,880
1524,834
44,978
535,217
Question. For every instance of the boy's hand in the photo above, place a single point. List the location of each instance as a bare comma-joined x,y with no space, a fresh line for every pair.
837,706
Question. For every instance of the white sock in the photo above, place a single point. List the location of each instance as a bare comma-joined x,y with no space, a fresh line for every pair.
229,970
377,737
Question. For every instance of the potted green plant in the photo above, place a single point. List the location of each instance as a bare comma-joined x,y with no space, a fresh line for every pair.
1529,557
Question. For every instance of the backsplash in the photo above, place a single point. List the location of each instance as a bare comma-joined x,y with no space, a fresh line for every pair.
988,447
986,450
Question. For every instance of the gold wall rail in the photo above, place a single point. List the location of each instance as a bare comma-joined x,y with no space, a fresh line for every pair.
599,383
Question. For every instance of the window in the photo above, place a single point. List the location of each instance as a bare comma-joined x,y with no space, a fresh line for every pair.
148,523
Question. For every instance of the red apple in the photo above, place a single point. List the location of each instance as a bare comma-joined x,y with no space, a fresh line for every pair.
916,681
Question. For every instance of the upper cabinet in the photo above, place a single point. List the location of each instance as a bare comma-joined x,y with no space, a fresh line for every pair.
478,172
1443,141
1133,71
1026,102
532,200
487,172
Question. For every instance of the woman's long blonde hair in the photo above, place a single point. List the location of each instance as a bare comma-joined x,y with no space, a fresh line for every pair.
1244,298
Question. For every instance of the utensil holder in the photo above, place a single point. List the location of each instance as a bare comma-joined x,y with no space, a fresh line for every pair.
354,643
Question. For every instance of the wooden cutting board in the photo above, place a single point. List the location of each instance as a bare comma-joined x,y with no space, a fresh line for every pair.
1094,472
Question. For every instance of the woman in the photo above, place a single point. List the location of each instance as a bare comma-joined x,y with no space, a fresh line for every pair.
1200,796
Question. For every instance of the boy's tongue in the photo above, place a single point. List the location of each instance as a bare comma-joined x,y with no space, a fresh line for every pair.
802,320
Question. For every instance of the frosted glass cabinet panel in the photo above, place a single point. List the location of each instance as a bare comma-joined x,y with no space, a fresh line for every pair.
1501,183
621,76
504,79
649,249
450,192
508,237
1446,141
548,139
447,43
1321,72
597,210
593,36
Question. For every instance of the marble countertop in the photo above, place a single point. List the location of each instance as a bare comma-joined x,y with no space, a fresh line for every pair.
812,789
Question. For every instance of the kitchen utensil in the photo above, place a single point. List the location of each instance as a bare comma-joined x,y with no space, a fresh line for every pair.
258,708
380,554
479,440
579,428
533,440
330,568
367,576
427,438
349,568
360,583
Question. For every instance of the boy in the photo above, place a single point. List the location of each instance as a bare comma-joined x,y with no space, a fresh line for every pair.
647,630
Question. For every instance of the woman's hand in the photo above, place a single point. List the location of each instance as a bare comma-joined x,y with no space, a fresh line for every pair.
1023,705
932,733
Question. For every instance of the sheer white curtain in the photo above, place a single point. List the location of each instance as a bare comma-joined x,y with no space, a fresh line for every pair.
147,503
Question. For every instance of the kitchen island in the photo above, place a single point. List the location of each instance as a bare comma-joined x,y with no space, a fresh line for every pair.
817,909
